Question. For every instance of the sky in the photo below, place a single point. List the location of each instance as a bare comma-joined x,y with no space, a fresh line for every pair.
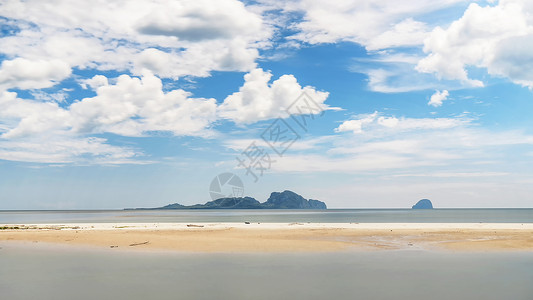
358,103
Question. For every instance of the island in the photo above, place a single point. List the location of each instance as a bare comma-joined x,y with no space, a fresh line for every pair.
423,204
277,200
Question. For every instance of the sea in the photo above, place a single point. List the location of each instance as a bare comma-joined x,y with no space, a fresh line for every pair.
492,215
55,272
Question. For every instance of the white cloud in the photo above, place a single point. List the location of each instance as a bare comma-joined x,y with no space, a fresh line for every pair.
376,123
408,32
28,117
352,164
59,97
95,82
67,150
197,60
393,71
387,29
377,144
135,106
356,125
32,74
301,145
38,130
172,39
438,97
138,106
497,38
258,99
201,20
440,147
374,24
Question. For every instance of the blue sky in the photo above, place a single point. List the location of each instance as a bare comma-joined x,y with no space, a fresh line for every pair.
142,103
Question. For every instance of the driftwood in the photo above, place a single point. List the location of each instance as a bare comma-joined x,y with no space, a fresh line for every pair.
193,225
138,244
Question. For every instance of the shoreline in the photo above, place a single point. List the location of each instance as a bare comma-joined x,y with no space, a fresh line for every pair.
277,237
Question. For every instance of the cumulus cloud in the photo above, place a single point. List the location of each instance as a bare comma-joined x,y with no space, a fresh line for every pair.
38,131
94,82
139,106
385,28
374,24
172,39
438,97
356,125
28,117
197,60
135,106
32,74
497,38
201,20
258,99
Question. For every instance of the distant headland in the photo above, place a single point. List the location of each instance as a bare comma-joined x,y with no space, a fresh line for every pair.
283,200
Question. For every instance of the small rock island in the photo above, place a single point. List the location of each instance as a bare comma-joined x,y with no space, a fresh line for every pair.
283,200
423,204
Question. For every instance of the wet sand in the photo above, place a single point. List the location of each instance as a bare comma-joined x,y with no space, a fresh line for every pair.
277,237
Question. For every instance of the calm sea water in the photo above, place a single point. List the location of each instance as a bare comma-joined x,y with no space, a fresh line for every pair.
274,216
416,275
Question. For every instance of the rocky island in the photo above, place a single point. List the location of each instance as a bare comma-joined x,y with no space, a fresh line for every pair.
283,200
423,204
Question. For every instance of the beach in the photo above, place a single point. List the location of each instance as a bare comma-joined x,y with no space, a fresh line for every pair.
277,237
266,261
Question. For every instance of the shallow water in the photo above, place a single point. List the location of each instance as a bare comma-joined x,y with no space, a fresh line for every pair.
74,273
64,273
274,216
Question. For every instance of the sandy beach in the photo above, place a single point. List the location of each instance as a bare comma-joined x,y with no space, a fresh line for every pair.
277,237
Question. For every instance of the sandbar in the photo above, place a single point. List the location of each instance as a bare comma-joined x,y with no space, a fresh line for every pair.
277,237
